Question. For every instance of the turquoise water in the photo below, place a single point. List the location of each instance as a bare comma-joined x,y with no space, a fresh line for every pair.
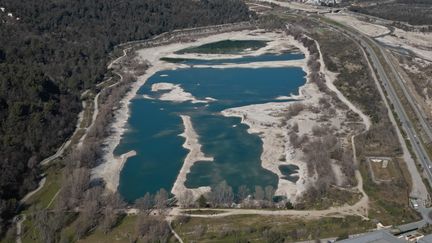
154,126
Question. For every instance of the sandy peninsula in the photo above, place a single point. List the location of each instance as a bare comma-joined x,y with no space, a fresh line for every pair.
195,154
175,93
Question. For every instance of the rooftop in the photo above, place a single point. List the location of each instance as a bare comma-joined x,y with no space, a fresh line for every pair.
379,236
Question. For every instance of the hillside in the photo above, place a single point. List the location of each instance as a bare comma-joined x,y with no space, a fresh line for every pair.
51,51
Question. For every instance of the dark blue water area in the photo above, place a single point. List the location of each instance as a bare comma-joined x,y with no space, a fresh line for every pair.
153,134
236,155
288,171
154,126
246,59
232,87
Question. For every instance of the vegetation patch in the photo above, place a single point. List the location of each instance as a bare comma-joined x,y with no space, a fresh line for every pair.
389,201
204,212
383,171
225,47
52,51
257,228
174,59
415,12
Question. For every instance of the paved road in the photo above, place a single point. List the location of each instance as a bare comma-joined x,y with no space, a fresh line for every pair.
412,135
416,144
426,126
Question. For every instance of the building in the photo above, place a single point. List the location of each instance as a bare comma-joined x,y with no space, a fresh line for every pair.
379,236
425,239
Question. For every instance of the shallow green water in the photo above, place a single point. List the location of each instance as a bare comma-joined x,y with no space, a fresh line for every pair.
225,47
154,126
288,170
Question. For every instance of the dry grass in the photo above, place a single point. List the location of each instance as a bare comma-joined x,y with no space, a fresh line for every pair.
256,228
387,174
389,202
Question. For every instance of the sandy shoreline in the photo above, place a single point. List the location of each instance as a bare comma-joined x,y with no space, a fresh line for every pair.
266,121
112,170
111,167
195,154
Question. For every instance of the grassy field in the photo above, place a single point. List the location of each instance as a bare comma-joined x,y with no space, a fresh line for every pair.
255,228
204,212
387,174
45,196
334,197
389,202
124,232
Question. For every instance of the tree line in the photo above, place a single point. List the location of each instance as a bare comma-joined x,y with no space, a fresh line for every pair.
414,12
56,50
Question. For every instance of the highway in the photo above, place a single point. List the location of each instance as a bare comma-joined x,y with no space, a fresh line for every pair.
417,145
427,128
367,43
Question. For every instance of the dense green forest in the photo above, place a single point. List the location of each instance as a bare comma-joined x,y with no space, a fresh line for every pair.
414,12
52,50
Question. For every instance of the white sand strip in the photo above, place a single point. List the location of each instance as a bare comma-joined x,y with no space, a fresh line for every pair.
264,64
195,154
176,93
276,43
110,171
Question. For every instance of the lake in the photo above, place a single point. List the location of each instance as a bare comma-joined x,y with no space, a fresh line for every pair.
154,126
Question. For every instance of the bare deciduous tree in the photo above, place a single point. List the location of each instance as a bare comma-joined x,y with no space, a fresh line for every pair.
46,231
76,181
259,193
186,199
243,193
295,127
145,204
222,195
90,211
152,229
293,110
113,205
161,200
269,193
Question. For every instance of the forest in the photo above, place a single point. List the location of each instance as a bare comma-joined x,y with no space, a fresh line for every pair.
414,12
53,50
